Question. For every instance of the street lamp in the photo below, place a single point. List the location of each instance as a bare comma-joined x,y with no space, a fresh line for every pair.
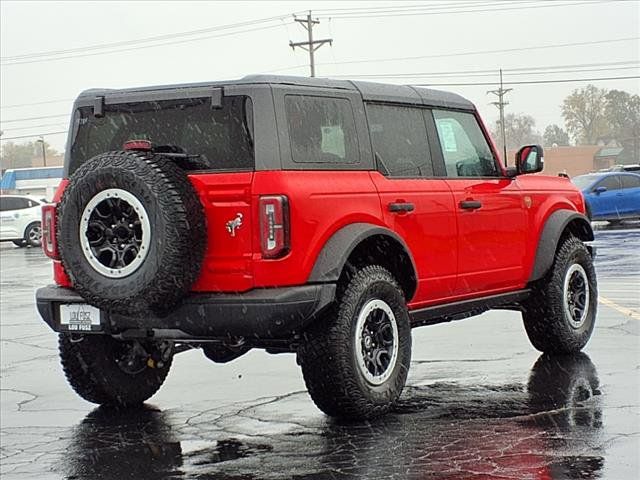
44,150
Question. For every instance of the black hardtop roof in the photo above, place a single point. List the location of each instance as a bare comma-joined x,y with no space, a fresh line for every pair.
380,92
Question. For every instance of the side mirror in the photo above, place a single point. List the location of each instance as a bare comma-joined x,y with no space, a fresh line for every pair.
600,190
530,159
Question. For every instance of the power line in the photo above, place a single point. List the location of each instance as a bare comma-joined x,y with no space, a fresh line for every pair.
531,82
138,41
12,129
35,118
477,52
33,136
546,70
425,11
35,103
430,5
140,47
515,82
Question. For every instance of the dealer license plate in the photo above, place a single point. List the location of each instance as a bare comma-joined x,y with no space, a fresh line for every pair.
79,317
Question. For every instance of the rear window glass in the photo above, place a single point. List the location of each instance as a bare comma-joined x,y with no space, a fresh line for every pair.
583,181
221,136
321,129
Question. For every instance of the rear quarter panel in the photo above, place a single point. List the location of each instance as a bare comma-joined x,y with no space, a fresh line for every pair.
320,203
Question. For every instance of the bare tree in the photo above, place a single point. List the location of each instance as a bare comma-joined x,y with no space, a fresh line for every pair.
20,155
622,111
519,130
584,114
554,135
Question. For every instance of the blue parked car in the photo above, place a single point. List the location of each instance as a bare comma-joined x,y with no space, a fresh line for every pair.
611,196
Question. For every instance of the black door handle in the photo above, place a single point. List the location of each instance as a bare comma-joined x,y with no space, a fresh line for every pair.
401,207
470,204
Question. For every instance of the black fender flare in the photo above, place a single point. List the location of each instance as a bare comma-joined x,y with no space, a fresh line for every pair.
553,229
336,251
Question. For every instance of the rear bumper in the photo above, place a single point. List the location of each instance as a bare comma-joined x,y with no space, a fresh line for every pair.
270,314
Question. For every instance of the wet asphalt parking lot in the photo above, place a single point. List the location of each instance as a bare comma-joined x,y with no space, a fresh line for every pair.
480,403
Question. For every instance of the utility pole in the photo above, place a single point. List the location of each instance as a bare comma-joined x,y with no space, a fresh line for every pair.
44,150
310,45
500,93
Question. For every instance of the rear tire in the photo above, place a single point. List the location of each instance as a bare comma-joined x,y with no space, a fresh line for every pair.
355,361
560,315
105,371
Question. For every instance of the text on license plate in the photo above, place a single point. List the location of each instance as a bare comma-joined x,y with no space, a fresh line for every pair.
79,317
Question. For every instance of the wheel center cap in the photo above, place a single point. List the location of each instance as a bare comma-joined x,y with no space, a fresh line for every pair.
367,342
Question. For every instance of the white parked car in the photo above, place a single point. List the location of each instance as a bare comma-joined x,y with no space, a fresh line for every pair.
20,220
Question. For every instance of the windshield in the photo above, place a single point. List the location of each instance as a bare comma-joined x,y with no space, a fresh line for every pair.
583,181
221,136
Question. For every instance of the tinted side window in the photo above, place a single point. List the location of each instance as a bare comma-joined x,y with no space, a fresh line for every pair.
6,203
321,129
630,181
13,203
399,137
612,182
464,148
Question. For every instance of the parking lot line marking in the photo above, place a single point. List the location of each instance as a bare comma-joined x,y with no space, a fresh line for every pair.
624,310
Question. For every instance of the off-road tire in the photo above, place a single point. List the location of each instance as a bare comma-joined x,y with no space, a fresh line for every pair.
177,232
91,370
32,237
328,354
545,319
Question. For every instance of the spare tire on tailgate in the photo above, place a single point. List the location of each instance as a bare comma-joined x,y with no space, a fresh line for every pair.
131,232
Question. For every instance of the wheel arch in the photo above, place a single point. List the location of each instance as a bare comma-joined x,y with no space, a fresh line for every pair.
558,225
361,244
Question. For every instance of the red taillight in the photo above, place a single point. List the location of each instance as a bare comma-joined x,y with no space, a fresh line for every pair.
144,145
49,243
274,226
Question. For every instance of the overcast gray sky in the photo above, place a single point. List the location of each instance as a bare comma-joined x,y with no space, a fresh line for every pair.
439,41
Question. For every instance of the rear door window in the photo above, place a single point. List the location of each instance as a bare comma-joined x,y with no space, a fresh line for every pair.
222,137
465,149
322,130
399,138
630,181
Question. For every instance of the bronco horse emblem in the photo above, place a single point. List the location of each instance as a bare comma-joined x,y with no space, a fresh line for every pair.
233,225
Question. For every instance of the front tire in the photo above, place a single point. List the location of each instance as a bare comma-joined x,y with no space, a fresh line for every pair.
355,361
106,371
560,315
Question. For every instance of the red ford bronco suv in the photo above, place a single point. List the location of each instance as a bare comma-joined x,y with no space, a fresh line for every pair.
322,217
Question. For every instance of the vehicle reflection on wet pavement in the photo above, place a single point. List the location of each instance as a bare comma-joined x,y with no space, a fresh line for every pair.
542,430
480,403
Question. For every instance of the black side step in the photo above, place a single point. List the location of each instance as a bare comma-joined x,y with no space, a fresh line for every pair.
466,308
